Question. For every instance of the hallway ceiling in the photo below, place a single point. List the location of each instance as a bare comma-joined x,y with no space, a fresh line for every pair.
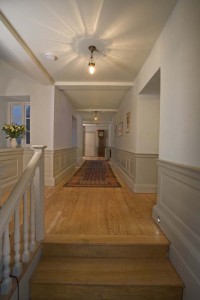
124,32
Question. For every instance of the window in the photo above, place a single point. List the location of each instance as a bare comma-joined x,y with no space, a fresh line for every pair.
20,114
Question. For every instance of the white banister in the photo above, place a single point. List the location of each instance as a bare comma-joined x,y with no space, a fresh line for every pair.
32,216
26,253
31,180
39,196
6,284
18,265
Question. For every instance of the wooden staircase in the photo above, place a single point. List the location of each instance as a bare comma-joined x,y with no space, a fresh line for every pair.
105,267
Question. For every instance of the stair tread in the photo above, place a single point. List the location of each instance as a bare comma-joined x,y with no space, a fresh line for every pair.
106,239
106,271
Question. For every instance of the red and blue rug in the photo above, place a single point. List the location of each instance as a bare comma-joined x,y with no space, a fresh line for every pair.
94,173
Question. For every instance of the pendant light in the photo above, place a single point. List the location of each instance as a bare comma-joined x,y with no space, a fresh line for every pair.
91,63
95,115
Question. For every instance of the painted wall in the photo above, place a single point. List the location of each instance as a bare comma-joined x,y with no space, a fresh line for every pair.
14,83
127,141
176,53
148,123
63,112
3,120
143,135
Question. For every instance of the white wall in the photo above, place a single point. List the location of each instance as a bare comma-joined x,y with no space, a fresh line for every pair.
148,123
14,83
176,53
128,140
143,136
3,120
63,112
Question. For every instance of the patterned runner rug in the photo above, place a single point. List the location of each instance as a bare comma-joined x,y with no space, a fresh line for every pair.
94,173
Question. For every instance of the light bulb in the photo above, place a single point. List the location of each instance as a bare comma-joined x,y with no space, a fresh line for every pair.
91,68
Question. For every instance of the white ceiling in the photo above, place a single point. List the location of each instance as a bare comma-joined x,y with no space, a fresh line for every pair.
124,32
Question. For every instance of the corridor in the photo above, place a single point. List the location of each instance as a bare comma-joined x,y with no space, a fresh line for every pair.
99,211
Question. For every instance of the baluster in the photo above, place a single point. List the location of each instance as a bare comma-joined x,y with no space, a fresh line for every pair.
6,284
32,217
26,254
1,256
39,194
18,265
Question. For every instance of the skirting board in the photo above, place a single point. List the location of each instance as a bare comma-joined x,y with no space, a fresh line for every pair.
136,188
63,173
52,181
145,188
126,178
167,224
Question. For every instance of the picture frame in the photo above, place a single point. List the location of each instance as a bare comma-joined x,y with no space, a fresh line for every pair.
128,120
115,131
120,129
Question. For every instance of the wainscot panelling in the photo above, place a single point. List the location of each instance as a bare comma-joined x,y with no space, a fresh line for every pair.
28,153
177,212
118,158
57,164
12,161
146,178
64,161
138,170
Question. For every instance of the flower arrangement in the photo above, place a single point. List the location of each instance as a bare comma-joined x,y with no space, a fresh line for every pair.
14,130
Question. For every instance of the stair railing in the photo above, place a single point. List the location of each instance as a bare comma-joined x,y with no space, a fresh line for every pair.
30,187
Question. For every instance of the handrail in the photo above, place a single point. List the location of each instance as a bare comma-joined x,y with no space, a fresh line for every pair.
17,192
31,179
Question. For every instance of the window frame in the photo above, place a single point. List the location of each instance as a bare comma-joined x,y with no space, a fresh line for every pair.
23,106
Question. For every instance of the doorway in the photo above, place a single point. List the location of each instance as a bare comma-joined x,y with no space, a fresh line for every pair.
89,144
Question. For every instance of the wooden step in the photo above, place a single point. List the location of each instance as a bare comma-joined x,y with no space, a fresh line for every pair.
105,278
105,246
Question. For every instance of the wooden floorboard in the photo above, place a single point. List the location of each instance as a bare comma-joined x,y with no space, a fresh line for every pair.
99,211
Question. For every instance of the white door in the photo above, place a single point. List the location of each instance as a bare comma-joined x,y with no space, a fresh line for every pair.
89,143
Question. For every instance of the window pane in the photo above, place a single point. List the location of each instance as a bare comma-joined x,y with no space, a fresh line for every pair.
27,137
20,114
19,140
28,124
17,114
27,111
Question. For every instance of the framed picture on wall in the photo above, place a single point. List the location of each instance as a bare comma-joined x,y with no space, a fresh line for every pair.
128,120
120,129
115,129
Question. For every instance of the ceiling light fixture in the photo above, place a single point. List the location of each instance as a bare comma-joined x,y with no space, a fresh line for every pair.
91,61
95,116
50,56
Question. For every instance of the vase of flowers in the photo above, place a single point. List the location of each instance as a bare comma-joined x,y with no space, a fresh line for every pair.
14,131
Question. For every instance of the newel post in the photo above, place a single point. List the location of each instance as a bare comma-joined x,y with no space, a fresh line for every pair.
39,194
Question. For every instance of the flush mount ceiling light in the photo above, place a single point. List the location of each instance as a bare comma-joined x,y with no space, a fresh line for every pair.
50,56
91,61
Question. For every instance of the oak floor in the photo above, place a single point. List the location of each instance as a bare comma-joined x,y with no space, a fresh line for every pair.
99,211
